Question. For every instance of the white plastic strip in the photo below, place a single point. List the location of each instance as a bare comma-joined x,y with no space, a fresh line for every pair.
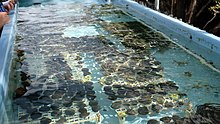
6,48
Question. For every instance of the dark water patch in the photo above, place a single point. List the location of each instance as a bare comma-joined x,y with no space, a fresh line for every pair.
83,112
210,112
131,112
45,120
58,94
143,110
31,110
166,119
56,113
116,105
96,108
67,102
69,112
36,115
48,92
156,108
20,91
55,106
61,120
44,108
24,118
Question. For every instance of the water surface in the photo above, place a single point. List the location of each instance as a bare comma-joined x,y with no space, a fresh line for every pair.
78,61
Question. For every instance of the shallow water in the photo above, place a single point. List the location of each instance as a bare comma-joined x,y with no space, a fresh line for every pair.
86,59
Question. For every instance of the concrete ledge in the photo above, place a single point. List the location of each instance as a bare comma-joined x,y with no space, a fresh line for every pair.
200,42
6,49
